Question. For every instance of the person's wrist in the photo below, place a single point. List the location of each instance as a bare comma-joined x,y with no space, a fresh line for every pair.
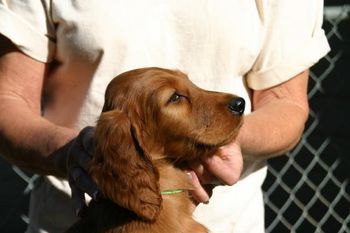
240,141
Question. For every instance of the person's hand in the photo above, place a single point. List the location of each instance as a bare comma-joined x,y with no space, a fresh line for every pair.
224,167
75,156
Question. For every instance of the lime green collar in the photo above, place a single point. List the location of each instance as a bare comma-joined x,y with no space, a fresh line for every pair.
172,191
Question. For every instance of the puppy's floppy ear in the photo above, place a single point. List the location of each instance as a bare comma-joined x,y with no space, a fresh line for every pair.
122,170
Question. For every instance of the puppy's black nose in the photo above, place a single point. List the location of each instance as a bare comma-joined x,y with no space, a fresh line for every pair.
237,105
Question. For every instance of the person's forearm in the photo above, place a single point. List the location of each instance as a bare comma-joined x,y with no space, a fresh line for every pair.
28,140
272,130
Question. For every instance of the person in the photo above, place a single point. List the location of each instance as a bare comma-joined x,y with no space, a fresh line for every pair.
58,56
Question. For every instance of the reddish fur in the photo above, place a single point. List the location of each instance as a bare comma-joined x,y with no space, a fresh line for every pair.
142,140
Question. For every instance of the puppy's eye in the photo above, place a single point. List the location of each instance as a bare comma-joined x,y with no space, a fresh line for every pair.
175,98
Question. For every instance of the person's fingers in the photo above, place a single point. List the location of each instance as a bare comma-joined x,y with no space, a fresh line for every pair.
86,137
84,183
199,193
78,200
209,188
83,160
82,148
78,156
226,166
204,176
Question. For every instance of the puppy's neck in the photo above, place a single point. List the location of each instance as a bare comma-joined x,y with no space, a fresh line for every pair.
172,178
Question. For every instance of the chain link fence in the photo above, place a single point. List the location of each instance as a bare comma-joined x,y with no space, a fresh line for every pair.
14,198
308,190
305,191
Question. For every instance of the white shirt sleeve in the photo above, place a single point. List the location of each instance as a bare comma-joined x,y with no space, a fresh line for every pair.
27,24
294,41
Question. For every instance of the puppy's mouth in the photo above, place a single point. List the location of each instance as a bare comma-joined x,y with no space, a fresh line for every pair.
192,147
195,151
204,149
218,141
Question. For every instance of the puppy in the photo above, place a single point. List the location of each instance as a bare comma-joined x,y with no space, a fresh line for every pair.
154,121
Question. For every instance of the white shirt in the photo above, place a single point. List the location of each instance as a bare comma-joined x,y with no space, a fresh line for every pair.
222,45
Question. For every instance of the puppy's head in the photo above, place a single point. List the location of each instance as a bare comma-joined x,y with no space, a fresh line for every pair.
156,112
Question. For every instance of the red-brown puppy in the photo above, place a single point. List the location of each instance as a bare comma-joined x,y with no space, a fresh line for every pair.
153,122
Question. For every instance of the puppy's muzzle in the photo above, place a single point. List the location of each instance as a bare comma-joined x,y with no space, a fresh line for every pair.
237,105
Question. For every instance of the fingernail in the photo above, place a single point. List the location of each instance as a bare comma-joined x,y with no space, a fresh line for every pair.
207,199
189,174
